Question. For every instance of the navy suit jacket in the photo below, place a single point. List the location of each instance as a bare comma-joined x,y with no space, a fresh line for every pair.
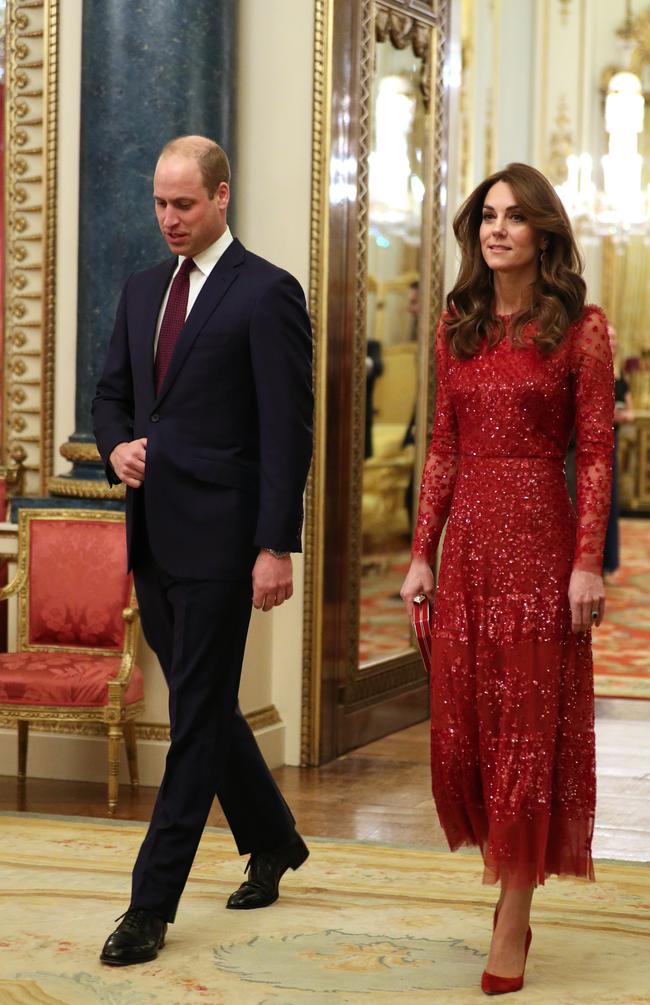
229,435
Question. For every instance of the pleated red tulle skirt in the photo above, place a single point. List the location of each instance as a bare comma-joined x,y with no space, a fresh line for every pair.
512,706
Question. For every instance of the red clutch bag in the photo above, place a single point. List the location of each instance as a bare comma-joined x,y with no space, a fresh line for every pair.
421,619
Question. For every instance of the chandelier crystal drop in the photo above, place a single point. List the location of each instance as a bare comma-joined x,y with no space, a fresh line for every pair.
622,208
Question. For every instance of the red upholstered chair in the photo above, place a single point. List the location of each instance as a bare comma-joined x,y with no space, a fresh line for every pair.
77,629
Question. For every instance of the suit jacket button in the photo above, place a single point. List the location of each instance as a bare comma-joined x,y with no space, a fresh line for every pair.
154,417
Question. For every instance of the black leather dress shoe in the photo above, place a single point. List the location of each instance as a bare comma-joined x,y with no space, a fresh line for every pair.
136,939
265,870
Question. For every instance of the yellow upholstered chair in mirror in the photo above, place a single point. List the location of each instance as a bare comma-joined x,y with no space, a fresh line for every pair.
76,633
388,473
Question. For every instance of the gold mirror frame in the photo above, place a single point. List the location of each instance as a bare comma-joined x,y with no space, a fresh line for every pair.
345,39
30,237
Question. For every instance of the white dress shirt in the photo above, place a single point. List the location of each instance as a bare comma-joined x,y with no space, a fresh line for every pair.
204,264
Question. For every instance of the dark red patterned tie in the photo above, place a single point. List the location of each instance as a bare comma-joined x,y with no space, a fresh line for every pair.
173,320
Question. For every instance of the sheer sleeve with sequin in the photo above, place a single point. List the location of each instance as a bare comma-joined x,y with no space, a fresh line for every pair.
592,370
439,474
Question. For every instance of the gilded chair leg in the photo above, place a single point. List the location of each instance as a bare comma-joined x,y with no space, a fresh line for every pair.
128,729
23,737
114,740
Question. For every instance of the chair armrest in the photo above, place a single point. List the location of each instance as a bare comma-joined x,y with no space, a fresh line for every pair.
132,617
14,586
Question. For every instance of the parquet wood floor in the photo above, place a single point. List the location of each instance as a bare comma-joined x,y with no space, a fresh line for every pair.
381,792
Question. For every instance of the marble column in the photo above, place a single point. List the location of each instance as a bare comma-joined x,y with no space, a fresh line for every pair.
151,70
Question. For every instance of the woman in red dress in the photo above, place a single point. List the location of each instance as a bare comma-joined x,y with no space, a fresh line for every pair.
520,361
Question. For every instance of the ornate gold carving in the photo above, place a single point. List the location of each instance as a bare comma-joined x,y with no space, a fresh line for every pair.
30,204
403,30
561,144
84,488
366,65
427,11
565,6
76,721
488,132
315,495
14,471
79,723
79,451
465,104
641,32
437,240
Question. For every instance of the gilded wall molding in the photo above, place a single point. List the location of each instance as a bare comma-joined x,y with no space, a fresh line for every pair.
641,32
366,64
78,721
30,214
467,96
261,718
315,498
561,143
440,130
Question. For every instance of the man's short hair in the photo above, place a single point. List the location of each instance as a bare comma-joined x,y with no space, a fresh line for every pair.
212,160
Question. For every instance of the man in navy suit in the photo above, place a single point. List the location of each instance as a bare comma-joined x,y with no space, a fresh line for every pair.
204,411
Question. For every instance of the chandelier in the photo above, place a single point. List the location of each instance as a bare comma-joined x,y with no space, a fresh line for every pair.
621,209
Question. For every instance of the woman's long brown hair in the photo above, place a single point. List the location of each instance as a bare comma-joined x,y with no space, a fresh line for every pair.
558,293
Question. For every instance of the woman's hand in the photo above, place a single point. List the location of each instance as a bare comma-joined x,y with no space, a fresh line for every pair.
586,594
419,579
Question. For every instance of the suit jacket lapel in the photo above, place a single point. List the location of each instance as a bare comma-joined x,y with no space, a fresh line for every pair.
212,293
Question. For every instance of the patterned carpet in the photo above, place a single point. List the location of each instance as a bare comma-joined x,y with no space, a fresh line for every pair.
622,643
357,925
383,626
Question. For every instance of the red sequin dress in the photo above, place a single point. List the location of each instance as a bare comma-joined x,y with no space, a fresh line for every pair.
512,706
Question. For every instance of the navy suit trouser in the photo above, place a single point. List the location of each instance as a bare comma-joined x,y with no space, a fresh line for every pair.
197,629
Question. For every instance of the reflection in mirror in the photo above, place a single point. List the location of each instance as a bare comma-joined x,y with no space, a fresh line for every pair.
396,191
3,42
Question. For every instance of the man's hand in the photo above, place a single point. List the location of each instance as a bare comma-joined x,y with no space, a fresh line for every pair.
127,461
586,595
272,581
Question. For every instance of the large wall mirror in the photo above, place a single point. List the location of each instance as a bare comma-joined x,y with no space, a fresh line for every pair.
375,293
396,189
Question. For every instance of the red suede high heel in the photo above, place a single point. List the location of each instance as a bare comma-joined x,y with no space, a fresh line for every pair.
493,985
